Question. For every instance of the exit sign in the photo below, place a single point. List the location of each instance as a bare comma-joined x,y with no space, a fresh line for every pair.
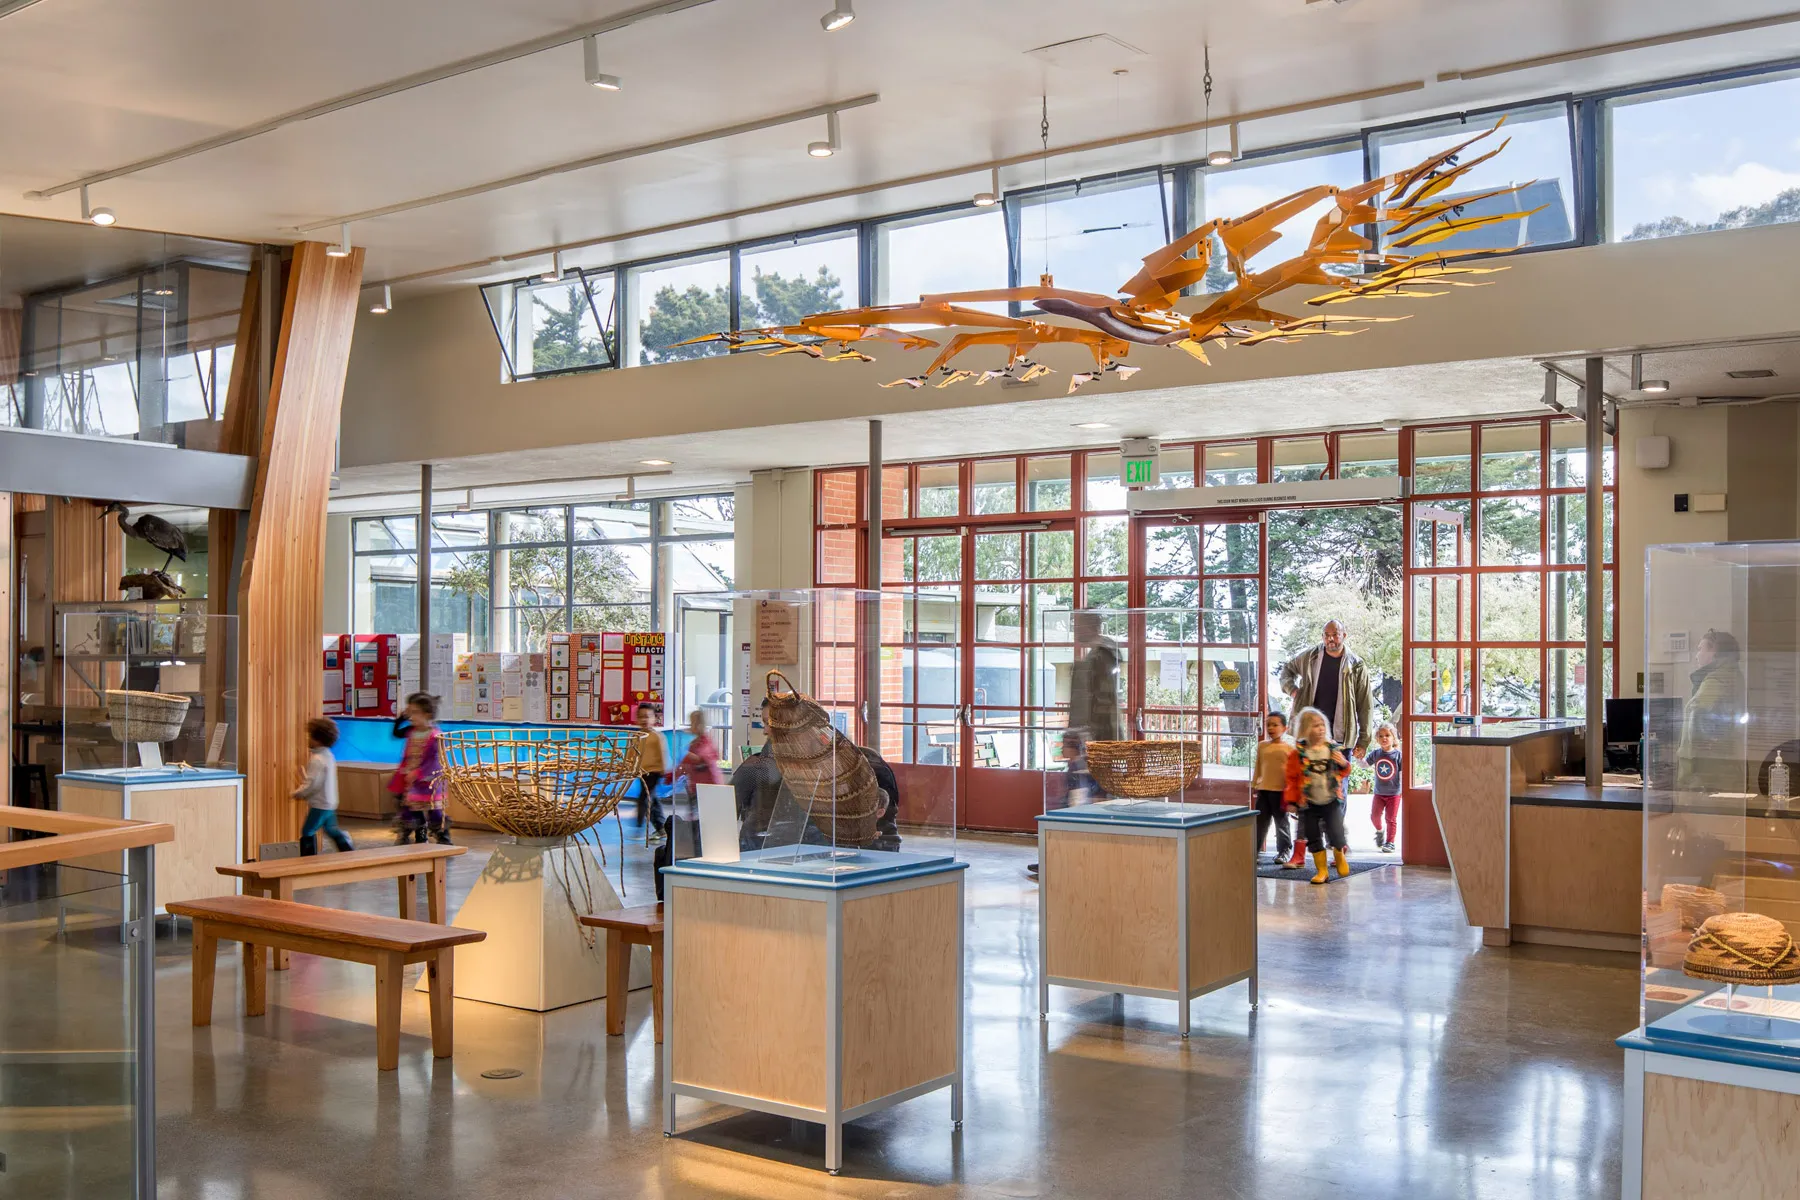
1138,459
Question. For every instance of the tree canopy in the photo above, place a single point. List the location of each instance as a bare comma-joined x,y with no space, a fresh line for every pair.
769,298
1783,208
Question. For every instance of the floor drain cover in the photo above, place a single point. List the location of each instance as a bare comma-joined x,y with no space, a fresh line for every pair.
502,1073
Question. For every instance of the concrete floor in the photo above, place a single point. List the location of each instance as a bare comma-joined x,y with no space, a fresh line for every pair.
1392,1056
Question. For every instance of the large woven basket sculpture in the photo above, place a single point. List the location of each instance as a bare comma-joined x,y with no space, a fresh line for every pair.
1143,770
145,716
539,783
824,770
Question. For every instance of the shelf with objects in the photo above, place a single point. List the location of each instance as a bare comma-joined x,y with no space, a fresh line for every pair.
149,696
1143,889
1712,1073
826,888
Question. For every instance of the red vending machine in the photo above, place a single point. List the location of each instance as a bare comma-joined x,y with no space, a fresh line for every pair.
333,690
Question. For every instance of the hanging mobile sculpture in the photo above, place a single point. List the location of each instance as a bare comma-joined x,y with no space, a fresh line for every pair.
1411,207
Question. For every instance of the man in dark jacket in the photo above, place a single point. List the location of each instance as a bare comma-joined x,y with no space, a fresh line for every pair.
757,782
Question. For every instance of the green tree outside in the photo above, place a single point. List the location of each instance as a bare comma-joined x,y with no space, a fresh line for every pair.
769,299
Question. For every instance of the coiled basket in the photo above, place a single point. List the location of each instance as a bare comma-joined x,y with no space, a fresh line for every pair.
823,769
145,716
1143,770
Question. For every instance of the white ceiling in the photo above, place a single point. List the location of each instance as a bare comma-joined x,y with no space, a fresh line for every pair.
90,85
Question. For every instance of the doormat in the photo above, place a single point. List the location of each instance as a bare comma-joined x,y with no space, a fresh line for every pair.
1267,868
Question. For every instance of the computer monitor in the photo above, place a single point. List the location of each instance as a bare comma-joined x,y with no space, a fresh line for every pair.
1624,719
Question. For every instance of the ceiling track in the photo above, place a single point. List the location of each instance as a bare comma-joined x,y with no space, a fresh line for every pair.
380,91
980,168
9,7
1647,43
599,160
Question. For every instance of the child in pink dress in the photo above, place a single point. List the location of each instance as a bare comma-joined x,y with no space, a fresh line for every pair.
701,762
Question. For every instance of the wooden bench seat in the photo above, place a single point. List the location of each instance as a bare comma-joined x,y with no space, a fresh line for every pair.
386,943
280,878
625,928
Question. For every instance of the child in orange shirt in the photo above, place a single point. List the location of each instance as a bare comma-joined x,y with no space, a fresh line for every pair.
1270,786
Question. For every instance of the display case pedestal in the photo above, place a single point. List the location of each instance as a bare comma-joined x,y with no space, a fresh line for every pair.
536,956
818,996
1147,898
204,805
1702,1121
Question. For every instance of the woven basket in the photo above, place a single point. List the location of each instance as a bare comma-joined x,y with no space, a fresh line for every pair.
1695,904
538,785
824,770
1143,770
1743,948
145,716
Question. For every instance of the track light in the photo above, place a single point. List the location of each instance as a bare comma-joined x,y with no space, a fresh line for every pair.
828,147
590,57
1640,384
1655,387
1224,156
386,303
990,197
97,216
342,249
841,14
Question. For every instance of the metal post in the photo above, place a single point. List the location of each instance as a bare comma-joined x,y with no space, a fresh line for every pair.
872,609
1594,414
141,862
423,541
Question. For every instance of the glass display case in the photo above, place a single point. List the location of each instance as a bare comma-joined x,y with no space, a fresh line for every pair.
1147,706
146,684
829,783
1721,830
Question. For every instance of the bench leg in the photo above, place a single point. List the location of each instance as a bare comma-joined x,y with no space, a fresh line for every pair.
283,890
656,985
618,977
440,971
206,962
434,894
256,980
409,896
389,973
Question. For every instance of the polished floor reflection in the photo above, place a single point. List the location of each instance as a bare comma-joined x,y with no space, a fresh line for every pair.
1392,1056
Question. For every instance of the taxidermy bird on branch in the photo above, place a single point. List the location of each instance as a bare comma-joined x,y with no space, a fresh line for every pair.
152,530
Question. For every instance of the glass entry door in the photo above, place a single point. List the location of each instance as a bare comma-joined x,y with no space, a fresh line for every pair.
1211,569
1440,628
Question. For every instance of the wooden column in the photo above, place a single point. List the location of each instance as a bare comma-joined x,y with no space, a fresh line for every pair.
279,617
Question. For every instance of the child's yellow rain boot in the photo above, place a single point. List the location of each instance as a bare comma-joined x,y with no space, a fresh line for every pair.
1343,864
1319,861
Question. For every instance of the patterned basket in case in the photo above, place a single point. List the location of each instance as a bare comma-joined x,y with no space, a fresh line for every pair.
821,767
1143,770
539,784
145,716
1743,948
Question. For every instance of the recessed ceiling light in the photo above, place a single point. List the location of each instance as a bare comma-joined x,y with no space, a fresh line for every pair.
1758,373
655,462
841,14
1655,386
1092,425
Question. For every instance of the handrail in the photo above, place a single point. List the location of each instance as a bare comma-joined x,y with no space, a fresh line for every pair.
74,835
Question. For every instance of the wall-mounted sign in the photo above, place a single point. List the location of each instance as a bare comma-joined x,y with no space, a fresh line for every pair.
1138,462
777,633
1229,680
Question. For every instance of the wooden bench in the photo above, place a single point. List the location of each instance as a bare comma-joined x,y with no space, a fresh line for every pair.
386,943
625,928
280,878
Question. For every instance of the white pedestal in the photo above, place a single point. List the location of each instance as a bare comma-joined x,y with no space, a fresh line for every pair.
535,956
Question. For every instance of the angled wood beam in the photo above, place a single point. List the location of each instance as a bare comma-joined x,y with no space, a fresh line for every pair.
279,605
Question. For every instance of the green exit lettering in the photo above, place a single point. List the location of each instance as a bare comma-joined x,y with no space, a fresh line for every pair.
1140,471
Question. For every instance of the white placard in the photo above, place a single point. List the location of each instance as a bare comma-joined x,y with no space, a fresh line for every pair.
215,747
718,821
149,754
1174,670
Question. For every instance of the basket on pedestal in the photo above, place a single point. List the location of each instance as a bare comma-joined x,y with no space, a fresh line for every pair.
145,716
1143,770
824,770
539,783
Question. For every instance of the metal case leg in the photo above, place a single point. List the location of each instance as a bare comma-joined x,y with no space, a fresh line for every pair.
142,865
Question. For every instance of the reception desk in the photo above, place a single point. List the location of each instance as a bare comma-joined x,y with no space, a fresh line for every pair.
1539,856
